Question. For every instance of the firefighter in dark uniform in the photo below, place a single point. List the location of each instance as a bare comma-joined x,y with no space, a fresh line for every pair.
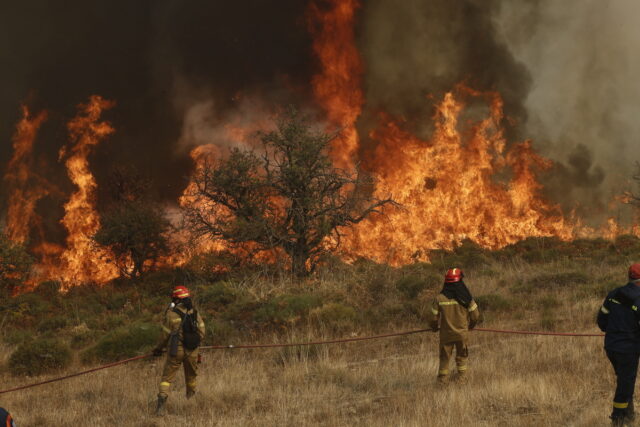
183,345
453,313
618,318
5,419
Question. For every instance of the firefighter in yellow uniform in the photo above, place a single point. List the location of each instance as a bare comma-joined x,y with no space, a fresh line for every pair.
182,332
453,313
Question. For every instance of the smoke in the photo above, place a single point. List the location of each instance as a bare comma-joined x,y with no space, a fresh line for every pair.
566,70
414,49
182,72
583,107
139,53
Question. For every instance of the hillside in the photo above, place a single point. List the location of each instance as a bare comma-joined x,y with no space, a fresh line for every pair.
538,284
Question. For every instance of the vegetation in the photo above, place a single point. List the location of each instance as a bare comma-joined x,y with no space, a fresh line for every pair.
15,264
133,228
136,233
39,357
290,197
538,284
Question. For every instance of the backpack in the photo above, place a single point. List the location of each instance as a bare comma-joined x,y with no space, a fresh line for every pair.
190,335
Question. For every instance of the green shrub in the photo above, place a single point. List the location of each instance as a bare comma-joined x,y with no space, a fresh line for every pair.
560,279
287,308
49,289
218,295
411,286
17,336
81,335
626,244
493,302
219,332
335,316
39,357
549,301
126,341
33,304
52,323
467,255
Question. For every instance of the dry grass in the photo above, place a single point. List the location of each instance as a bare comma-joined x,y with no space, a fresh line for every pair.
513,380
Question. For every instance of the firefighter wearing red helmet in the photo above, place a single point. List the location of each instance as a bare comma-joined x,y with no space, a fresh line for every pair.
618,318
182,332
453,313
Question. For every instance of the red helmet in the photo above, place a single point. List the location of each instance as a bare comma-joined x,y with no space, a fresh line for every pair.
453,275
634,271
180,292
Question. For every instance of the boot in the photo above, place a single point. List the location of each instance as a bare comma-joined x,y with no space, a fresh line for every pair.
461,378
161,409
618,419
631,413
442,380
190,393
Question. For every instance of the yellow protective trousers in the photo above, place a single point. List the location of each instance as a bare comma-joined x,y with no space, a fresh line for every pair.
189,360
446,351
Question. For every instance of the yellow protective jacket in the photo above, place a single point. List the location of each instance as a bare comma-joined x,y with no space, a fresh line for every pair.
172,323
453,319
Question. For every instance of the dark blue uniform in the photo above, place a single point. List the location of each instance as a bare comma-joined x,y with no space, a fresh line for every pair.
5,419
619,318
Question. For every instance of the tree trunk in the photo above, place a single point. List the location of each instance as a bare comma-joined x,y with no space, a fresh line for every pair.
299,256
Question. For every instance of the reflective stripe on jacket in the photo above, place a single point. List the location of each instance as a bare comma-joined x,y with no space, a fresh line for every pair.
453,319
618,318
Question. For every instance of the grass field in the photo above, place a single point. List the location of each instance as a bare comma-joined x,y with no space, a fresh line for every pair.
513,380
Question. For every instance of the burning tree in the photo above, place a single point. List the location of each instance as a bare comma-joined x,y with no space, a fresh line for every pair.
133,228
290,197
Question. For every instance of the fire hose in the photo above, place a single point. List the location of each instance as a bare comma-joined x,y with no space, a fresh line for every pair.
307,343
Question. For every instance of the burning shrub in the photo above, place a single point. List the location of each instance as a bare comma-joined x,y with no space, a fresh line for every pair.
39,357
123,342
136,234
290,199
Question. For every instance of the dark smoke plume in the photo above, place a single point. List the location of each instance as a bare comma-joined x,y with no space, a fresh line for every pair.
178,70
139,53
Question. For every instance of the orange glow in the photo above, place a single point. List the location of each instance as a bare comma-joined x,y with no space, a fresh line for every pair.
81,261
24,186
337,88
449,191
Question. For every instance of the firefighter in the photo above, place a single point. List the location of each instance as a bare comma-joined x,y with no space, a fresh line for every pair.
453,313
182,332
618,318
5,419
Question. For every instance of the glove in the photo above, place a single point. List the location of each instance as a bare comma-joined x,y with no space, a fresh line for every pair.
157,352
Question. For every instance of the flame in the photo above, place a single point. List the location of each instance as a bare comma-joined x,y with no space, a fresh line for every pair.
25,189
449,189
337,88
81,261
